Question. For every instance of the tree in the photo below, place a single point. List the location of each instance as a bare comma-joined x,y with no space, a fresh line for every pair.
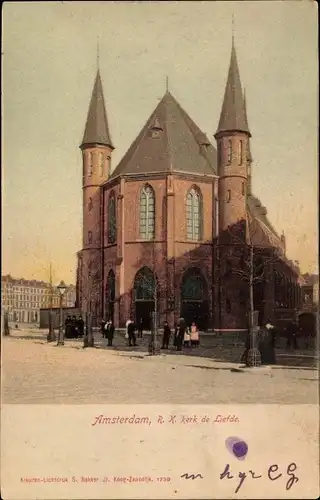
252,268
89,282
6,328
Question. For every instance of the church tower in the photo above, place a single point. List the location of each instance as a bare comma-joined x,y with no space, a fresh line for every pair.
234,158
233,146
96,147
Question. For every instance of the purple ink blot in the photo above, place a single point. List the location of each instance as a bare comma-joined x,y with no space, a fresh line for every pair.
237,447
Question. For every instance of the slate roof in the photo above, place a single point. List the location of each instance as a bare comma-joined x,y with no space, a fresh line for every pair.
233,115
262,233
97,128
170,141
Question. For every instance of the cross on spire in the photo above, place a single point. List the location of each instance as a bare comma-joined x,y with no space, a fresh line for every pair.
167,84
233,29
98,53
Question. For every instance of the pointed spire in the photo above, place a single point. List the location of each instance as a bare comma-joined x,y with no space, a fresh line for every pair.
233,113
97,129
167,84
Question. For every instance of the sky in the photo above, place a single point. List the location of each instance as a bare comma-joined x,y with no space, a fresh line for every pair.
49,64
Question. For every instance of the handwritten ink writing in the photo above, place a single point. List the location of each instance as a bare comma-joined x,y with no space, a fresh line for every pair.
272,474
172,419
293,478
191,476
273,468
160,419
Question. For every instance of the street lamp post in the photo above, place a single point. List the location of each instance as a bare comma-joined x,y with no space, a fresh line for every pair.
61,289
51,337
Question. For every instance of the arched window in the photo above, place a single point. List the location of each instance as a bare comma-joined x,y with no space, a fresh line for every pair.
101,162
112,223
243,189
90,205
90,169
228,195
229,151
144,285
240,152
194,215
216,213
147,213
89,237
194,287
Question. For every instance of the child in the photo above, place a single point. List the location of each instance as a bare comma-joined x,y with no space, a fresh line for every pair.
194,335
186,338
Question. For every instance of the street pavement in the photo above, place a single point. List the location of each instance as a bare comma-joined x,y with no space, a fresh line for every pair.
34,371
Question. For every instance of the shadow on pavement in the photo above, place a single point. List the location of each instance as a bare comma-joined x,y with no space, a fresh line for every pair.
217,349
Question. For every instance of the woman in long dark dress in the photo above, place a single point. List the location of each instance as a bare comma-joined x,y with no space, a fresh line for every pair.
266,345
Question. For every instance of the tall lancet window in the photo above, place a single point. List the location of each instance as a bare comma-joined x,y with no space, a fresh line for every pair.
240,152
216,217
229,151
194,215
112,226
147,213
101,163
90,166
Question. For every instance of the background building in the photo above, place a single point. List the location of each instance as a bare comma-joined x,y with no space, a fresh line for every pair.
23,299
173,223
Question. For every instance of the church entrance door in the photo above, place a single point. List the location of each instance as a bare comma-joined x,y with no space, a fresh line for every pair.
194,299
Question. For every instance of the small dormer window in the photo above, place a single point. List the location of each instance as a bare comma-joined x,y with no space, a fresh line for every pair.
156,128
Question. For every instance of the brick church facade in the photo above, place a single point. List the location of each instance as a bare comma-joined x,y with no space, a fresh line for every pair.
171,226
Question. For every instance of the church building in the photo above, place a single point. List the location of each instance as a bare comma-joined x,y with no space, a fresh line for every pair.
175,226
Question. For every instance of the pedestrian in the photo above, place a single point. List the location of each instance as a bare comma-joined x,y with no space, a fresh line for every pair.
194,335
132,334
166,335
80,326
127,333
266,344
102,329
175,334
180,335
291,332
140,328
74,327
109,328
67,327
186,337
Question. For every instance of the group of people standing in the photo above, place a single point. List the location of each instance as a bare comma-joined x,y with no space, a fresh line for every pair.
74,327
183,335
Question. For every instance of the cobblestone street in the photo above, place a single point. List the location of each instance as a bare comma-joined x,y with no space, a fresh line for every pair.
37,372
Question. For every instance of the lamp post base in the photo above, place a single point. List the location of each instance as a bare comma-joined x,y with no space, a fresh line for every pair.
253,357
88,341
51,337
